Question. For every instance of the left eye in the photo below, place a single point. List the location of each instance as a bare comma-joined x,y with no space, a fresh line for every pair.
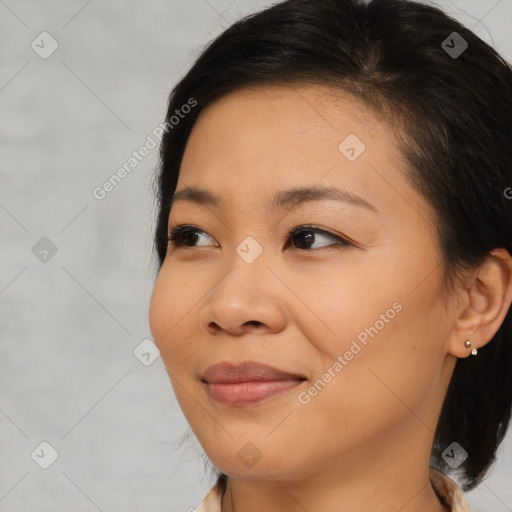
186,235
308,234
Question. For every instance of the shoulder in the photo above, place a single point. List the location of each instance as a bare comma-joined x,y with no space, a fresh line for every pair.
212,501
448,491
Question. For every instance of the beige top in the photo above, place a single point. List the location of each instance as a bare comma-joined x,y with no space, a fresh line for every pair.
448,491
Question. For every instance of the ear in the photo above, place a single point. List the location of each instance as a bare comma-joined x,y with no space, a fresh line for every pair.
484,303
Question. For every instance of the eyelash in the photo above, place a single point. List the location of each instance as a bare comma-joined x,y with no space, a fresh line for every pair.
176,234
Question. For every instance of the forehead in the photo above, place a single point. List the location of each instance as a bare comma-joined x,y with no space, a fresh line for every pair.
254,142
305,112
271,128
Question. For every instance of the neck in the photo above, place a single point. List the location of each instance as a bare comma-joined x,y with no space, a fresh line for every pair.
240,496
385,477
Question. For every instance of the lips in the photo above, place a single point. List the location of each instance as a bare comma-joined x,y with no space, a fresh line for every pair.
247,371
247,383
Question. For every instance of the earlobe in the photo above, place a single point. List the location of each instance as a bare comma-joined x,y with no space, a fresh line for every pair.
474,351
487,301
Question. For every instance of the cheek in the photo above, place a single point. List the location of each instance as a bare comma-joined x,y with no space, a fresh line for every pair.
389,325
160,308
389,370
173,304
170,312
351,299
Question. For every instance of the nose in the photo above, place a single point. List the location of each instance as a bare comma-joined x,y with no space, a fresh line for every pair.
247,299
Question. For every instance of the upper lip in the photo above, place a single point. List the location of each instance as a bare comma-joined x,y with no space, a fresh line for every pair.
246,371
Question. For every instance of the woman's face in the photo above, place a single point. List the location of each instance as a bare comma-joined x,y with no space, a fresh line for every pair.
362,322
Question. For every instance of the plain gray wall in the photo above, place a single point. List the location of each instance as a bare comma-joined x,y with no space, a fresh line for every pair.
71,322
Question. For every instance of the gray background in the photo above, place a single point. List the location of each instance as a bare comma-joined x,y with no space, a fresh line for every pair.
71,322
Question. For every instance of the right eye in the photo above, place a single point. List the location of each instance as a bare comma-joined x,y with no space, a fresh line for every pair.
184,235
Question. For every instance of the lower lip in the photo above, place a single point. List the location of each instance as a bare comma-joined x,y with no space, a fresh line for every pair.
245,393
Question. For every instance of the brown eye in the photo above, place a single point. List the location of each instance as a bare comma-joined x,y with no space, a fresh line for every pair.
185,235
305,236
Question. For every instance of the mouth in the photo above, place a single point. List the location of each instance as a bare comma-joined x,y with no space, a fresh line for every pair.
245,393
248,382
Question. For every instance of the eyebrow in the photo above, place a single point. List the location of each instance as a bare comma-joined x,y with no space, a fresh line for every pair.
281,200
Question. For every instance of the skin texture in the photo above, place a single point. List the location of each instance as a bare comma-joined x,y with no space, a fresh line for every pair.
363,442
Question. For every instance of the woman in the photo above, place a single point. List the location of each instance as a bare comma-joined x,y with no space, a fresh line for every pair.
334,236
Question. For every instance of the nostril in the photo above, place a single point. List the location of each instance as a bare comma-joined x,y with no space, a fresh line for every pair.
253,322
